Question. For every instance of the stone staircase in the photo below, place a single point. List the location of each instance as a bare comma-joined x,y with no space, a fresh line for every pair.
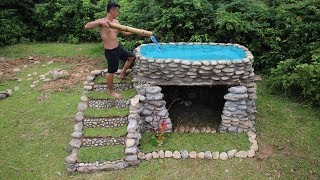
89,122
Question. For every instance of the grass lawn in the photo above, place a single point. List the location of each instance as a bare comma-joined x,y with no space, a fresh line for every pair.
127,94
105,132
36,126
198,142
113,112
101,153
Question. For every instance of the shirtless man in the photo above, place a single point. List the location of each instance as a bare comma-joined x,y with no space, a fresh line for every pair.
113,52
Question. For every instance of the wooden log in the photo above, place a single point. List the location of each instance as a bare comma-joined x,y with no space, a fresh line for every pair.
130,29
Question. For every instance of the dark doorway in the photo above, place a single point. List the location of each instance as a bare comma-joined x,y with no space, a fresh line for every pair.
195,106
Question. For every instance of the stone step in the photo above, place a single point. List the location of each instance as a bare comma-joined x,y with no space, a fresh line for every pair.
90,167
117,87
108,103
90,122
103,141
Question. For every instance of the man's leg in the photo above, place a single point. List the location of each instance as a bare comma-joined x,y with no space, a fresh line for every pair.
112,92
126,66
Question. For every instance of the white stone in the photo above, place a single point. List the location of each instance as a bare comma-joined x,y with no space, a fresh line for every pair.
200,155
129,142
215,155
223,156
155,155
176,155
96,72
134,101
16,70
193,154
168,154
251,153
87,88
241,154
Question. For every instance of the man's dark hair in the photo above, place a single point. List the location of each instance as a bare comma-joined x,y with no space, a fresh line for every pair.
112,5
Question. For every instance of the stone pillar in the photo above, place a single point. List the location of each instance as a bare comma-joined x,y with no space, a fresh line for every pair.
133,129
234,115
154,108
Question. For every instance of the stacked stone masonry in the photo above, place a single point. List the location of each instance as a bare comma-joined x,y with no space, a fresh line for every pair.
105,122
148,109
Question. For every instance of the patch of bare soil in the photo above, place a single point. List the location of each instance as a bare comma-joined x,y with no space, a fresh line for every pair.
81,68
265,152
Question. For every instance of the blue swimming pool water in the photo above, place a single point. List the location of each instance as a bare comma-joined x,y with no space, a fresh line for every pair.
193,52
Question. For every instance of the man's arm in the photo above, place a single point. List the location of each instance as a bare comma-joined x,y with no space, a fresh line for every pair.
125,33
96,23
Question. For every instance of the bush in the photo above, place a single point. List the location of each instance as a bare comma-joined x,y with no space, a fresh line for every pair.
300,80
12,29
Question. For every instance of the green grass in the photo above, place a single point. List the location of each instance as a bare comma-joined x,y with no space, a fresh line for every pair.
198,142
105,132
35,133
101,153
127,94
113,112
53,50
103,80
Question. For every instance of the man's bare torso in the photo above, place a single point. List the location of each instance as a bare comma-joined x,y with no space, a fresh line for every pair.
109,36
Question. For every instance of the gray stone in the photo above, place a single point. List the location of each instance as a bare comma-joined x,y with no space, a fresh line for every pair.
208,155
235,97
131,150
75,143
132,127
163,113
238,89
161,154
131,158
157,96
78,127
148,156
82,106
77,134
140,97
184,154
215,155
153,89
71,159
79,116
231,153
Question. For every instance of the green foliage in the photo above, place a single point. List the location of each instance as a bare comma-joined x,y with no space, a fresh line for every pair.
64,20
300,80
12,28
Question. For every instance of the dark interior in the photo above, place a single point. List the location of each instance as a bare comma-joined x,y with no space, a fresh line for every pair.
195,106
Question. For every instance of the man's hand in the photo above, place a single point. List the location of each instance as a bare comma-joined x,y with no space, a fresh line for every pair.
104,23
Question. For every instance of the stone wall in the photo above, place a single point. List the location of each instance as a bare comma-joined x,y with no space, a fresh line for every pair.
239,110
185,72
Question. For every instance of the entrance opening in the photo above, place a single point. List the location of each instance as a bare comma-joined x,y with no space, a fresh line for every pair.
195,106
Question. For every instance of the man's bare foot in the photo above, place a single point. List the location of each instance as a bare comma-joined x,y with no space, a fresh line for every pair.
115,94
122,77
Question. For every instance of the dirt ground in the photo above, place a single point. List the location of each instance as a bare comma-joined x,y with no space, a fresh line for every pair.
81,68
